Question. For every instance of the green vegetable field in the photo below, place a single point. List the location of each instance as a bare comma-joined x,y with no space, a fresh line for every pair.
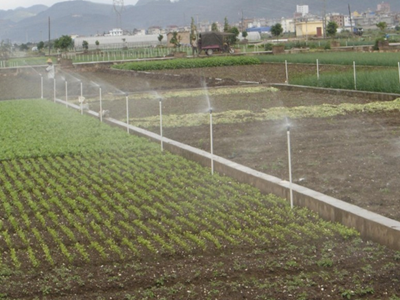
188,63
89,211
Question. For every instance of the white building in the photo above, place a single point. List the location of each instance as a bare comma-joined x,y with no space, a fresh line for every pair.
288,25
302,9
115,32
119,42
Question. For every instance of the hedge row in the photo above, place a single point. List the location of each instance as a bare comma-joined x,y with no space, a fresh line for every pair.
188,63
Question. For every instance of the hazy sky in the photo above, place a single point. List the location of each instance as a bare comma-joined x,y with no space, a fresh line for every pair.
12,4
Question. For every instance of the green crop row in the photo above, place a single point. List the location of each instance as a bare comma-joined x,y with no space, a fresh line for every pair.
188,63
32,128
337,58
385,81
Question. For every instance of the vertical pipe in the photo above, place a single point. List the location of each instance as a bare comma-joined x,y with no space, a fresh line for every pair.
287,74
211,143
127,114
290,166
161,129
355,75
49,37
101,106
317,69
398,67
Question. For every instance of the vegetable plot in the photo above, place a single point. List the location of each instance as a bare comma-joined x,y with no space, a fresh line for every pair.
120,217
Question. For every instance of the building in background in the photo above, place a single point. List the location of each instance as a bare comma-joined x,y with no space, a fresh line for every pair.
302,9
338,19
115,32
383,8
310,28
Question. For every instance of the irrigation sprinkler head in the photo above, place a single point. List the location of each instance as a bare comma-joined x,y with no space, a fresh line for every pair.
211,110
288,127
160,99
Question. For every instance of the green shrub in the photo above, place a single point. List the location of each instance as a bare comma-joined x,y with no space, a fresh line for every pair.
268,47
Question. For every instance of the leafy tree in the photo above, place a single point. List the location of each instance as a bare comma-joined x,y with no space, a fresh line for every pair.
23,47
214,27
226,25
63,43
97,43
244,34
331,29
40,45
193,31
276,30
233,38
160,38
193,36
85,45
382,26
176,39
5,50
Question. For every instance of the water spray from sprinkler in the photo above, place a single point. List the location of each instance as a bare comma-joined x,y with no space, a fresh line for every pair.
161,129
290,162
41,79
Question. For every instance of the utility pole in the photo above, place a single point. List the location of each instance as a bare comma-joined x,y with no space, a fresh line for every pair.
351,22
49,37
243,29
324,20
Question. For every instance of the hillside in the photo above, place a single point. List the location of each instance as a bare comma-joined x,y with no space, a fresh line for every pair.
89,18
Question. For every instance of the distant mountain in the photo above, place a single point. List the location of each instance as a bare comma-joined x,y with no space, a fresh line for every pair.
89,18
21,13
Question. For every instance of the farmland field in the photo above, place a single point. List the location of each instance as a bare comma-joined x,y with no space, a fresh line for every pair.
346,147
100,214
124,220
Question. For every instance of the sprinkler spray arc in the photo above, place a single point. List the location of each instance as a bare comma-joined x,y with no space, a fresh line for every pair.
289,163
